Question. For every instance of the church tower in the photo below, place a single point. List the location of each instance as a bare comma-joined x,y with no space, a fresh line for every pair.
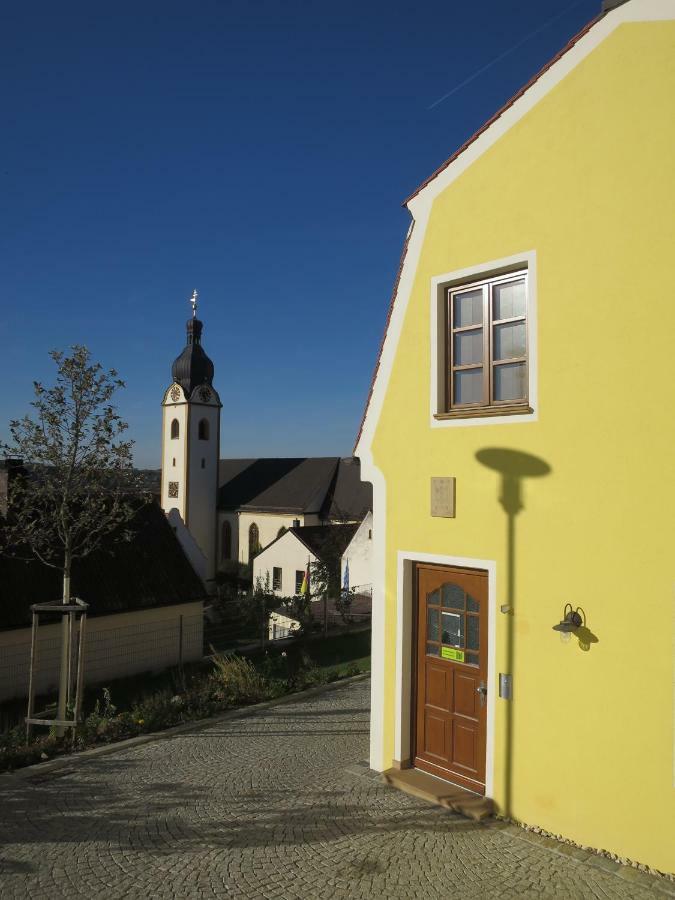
191,451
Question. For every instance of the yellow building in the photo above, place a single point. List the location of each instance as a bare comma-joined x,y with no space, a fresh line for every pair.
520,441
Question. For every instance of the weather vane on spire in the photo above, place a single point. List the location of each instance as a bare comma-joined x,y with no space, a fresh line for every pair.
193,301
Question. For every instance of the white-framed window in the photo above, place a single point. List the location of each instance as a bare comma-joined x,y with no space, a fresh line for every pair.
483,343
276,578
486,344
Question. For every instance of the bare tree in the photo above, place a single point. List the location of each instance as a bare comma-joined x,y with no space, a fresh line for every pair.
80,488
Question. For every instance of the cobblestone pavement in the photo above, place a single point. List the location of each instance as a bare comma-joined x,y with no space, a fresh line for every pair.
274,804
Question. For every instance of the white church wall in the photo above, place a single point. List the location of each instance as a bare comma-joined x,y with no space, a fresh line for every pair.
268,524
360,555
290,555
174,457
203,480
116,646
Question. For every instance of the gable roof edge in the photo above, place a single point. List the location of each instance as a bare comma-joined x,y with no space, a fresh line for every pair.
419,203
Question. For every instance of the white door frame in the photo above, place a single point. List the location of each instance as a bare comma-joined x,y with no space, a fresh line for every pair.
403,752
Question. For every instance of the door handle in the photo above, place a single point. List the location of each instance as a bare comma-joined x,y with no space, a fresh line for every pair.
482,690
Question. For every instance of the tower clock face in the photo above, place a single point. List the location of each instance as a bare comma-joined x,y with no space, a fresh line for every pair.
204,394
175,393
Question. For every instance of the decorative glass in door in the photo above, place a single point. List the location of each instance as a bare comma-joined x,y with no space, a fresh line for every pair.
453,624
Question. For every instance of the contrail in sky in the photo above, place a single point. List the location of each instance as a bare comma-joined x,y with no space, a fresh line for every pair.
501,56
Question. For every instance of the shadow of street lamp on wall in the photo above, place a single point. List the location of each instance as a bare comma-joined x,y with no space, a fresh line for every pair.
513,466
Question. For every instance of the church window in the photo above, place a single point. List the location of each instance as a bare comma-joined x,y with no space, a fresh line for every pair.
203,430
175,429
253,541
226,541
174,462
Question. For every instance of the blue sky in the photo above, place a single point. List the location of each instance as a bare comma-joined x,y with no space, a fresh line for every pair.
258,151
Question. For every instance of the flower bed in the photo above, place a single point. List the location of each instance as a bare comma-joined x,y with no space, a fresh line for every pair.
227,682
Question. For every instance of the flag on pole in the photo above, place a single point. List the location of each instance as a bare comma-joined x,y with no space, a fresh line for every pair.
345,580
304,589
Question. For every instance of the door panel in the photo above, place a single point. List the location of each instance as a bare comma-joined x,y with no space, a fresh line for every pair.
451,673
435,736
464,747
466,696
439,687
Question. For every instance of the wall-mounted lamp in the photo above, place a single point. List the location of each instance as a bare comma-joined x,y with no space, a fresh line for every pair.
572,620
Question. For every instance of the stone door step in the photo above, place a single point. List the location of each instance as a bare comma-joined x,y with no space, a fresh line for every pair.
442,793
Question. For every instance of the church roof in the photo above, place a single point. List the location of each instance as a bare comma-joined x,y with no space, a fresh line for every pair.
297,485
319,484
193,367
350,498
149,571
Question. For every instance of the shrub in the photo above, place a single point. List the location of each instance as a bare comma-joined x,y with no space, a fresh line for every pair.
235,680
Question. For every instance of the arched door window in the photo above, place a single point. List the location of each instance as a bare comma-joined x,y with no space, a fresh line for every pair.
175,429
253,541
226,541
203,430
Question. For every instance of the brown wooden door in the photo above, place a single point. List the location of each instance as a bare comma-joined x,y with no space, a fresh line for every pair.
451,674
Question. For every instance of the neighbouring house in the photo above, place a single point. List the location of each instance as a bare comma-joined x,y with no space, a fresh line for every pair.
229,509
356,565
283,563
523,529
145,609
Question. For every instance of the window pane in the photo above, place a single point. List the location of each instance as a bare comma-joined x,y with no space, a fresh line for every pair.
509,382
468,348
434,597
473,633
508,300
468,386
453,629
433,650
509,340
471,604
453,596
468,308
432,624
471,659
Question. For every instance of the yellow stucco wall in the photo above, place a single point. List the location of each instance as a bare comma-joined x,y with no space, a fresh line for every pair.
585,180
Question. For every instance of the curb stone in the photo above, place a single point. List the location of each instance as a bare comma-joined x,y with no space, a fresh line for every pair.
39,770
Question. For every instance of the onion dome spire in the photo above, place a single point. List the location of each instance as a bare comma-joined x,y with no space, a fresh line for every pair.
193,367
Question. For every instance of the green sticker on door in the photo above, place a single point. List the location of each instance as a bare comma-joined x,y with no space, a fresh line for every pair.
450,653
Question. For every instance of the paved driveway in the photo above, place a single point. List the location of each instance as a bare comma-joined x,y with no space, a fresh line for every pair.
277,803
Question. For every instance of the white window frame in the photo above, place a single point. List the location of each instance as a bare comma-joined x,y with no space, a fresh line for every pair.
438,305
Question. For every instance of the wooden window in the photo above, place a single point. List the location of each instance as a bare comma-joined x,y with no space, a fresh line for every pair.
203,430
299,578
253,541
276,578
226,541
175,429
486,346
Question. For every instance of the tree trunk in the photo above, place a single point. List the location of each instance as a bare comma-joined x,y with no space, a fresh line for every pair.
62,706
